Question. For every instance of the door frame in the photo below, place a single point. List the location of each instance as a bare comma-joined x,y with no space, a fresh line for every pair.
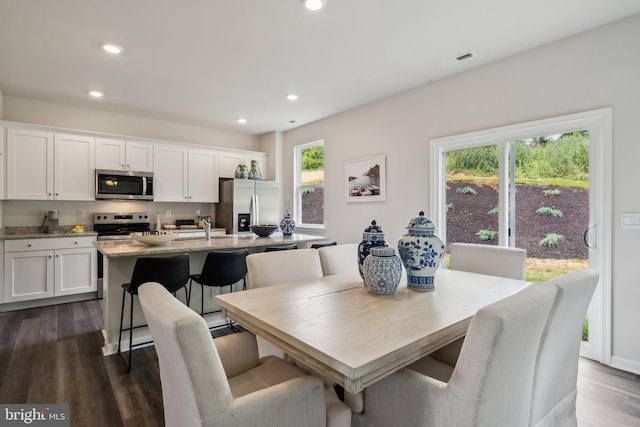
599,124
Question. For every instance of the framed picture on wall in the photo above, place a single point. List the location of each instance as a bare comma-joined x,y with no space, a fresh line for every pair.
365,180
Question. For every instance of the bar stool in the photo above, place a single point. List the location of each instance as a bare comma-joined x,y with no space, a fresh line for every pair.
221,268
171,272
281,248
323,245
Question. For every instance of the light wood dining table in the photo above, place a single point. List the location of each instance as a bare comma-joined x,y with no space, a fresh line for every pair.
346,334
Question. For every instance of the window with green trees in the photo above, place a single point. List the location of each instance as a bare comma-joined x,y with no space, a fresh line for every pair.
309,184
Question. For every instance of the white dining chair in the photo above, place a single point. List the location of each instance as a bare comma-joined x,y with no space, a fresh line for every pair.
487,259
490,386
222,382
274,268
554,385
339,259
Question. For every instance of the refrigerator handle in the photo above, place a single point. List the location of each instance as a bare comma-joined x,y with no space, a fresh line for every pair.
254,210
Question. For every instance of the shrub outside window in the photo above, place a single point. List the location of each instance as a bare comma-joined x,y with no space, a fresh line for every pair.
309,185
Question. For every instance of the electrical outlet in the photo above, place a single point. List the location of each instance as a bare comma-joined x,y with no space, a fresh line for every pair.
197,214
168,214
82,214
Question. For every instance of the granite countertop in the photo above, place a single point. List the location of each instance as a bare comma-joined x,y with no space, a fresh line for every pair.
123,248
15,233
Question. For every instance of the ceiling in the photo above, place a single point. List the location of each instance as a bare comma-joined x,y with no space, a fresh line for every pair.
210,62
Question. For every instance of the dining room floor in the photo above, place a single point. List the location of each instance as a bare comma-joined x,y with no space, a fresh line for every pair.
54,355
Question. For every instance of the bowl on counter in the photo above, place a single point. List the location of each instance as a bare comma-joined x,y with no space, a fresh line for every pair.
263,230
159,238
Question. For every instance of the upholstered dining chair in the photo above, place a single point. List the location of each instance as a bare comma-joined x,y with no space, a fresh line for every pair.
490,386
339,259
482,259
273,268
487,259
554,385
221,382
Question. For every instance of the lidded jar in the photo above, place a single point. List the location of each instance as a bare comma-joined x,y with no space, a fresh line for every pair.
254,172
372,237
421,252
382,270
242,172
287,224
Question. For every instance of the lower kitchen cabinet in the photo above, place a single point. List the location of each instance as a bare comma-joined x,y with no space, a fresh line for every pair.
50,267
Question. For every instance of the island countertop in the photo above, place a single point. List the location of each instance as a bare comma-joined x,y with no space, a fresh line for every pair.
126,248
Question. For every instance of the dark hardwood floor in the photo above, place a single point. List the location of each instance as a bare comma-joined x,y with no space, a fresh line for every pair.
53,355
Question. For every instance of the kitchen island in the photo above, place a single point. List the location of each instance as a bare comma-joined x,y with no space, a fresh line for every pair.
120,257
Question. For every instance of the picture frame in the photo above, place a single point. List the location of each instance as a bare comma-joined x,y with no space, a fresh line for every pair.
365,180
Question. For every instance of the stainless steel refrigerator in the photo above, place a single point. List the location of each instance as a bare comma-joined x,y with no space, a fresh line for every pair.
245,202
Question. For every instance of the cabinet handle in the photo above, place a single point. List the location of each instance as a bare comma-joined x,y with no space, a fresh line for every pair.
57,194
128,166
49,256
57,256
75,243
28,245
49,193
123,167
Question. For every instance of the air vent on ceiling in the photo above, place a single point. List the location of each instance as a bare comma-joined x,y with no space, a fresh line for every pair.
457,59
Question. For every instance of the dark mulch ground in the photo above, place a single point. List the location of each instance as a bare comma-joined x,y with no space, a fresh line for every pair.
470,214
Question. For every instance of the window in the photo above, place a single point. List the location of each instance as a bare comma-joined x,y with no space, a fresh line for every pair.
309,185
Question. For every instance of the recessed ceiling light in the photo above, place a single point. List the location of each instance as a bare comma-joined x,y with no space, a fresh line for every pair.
96,94
112,48
242,120
292,97
314,4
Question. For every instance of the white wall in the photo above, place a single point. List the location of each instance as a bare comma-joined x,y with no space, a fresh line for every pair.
66,116
599,68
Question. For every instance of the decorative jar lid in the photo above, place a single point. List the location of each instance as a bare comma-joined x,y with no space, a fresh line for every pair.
287,215
373,228
382,251
421,224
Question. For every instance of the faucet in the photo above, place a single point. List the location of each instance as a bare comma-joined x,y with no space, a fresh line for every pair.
207,228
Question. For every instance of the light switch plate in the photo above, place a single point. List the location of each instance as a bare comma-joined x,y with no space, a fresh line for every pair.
630,220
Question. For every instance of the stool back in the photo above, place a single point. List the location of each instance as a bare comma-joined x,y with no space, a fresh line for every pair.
170,272
224,268
281,248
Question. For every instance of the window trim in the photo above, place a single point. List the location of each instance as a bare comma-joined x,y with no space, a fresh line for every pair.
297,183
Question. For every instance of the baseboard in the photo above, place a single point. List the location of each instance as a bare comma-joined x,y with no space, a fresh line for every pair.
627,365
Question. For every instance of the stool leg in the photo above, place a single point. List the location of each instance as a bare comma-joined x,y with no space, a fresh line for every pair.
121,320
189,293
130,333
201,300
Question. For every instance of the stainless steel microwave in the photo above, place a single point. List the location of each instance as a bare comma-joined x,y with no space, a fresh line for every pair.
123,185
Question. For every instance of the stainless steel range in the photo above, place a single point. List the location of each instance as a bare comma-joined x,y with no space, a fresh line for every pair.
117,226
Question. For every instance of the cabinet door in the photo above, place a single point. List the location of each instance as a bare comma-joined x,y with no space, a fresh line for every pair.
29,165
28,275
139,156
3,163
170,174
110,154
203,177
228,163
74,177
75,271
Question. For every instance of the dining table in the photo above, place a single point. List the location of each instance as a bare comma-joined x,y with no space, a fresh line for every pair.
348,335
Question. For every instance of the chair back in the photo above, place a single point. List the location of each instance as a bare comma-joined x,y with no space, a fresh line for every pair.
224,268
340,259
194,384
322,245
273,268
554,386
289,247
170,272
488,259
494,375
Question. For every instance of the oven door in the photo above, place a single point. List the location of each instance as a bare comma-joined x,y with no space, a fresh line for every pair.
123,185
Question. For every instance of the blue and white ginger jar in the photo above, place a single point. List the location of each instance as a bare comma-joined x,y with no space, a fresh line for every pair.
421,252
372,237
287,225
382,271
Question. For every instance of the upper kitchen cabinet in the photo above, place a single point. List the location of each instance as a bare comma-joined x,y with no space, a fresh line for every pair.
229,160
185,174
117,154
3,163
46,166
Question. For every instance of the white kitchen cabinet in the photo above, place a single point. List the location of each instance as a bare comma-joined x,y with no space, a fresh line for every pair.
44,268
185,174
74,169
29,164
118,154
3,163
228,161
44,166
